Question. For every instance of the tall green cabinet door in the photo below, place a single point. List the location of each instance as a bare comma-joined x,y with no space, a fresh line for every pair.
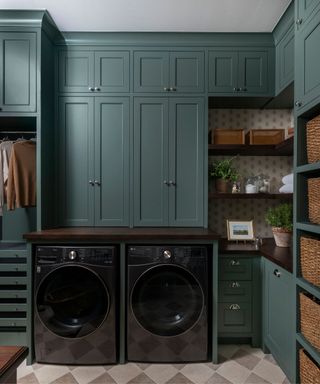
187,72
278,315
151,71
307,74
76,167
223,71
186,162
111,161
111,71
253,72
17,72
150,177
76,71
305,9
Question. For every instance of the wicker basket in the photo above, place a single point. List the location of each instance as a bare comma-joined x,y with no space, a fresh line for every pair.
309,319
310,259
309,371
314,201
313,139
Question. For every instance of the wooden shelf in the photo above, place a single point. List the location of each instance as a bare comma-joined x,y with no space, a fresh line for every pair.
285,148
272,196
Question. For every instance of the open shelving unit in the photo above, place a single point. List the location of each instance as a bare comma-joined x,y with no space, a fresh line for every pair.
272,196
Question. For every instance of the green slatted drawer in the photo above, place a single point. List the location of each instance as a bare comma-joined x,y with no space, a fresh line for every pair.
234,268
235,317
14,294
14,267
230,291
13,280
12,322
13,307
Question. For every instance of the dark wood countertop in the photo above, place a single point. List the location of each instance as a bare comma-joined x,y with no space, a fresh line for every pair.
121,234
278,255
10,358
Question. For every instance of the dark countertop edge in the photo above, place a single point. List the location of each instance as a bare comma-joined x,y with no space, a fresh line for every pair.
120,234
278,255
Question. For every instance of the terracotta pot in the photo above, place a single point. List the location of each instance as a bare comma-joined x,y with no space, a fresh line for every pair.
222,186
282,237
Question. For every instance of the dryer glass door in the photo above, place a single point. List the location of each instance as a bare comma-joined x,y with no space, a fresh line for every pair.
72,301
167,300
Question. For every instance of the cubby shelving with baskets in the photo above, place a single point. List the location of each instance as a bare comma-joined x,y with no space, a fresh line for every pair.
307,240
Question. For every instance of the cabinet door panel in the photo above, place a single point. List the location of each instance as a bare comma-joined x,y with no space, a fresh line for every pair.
76,164
151,71
150,162
112,161
187,71
253,72
186,149
234,317
285,60
112,71
76,70
307,8
18,72
223,71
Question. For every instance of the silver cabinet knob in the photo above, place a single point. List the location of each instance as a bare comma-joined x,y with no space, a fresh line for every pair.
173,89
96,88
165,182
91,182
166,89
167,254
277,273
72,255
91,89
172,183
234,262
299,21
235,284
235,89
234,307
298,103
97,182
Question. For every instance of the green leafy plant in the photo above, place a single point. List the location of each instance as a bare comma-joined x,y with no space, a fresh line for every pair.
280,216
223,169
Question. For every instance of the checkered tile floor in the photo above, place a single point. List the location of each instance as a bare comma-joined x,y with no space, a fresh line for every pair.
239,364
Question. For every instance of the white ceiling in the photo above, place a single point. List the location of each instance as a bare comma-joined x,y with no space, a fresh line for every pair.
159,15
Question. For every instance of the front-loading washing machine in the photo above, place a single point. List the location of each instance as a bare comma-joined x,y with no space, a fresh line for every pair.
75,304
167,312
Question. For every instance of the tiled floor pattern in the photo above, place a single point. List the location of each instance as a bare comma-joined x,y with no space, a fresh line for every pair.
238,364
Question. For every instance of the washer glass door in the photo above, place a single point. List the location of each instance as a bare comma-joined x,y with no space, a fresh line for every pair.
167,300
72,301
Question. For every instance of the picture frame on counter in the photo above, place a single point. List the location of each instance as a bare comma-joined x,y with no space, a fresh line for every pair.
240,230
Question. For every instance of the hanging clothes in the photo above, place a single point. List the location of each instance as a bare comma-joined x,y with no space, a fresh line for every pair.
21,190
5,153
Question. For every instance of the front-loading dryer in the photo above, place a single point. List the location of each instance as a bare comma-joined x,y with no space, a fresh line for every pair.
75,305
167,314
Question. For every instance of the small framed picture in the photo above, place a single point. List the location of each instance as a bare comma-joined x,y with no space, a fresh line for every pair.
240,230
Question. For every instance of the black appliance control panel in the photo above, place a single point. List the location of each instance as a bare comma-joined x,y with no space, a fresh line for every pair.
103,255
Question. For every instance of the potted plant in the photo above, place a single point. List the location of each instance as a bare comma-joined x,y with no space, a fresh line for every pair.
280,218
223,172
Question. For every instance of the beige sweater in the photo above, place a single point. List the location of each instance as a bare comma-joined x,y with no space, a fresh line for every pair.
21,191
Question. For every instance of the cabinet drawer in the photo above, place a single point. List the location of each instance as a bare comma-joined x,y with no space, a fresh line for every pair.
13,280
14,267
235,268
12,322
13,307
234,291
234,317
14,294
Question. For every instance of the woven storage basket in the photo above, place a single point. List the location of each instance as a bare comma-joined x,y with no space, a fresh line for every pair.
310,259
309,371
314,200
313,139
309,320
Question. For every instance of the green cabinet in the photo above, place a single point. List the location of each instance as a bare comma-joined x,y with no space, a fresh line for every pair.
17,72
93,71
285,61
307,59
278,315
94,161
168,162
240,73
162,71
305,9
239,298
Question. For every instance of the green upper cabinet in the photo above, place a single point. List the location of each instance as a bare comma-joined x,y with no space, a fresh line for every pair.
162,71
240,73
278,315
17,72
307,59
94,72
94,161
305,9
285,61
168,162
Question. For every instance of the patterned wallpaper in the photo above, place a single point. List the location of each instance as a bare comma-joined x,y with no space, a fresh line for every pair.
274,167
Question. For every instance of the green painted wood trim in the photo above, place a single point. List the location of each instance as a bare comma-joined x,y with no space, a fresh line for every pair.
284,24
308,287
308,347
166,39
214,312
123,301
30,305
256,302
308,227
308,168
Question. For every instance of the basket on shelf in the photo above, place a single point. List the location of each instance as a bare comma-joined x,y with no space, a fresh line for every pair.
313,199
310,259
309,318
228,136
265,136
309,371
313,139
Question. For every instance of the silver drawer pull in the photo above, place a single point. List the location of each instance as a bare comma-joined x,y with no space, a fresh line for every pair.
235,307
234,262
235,284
